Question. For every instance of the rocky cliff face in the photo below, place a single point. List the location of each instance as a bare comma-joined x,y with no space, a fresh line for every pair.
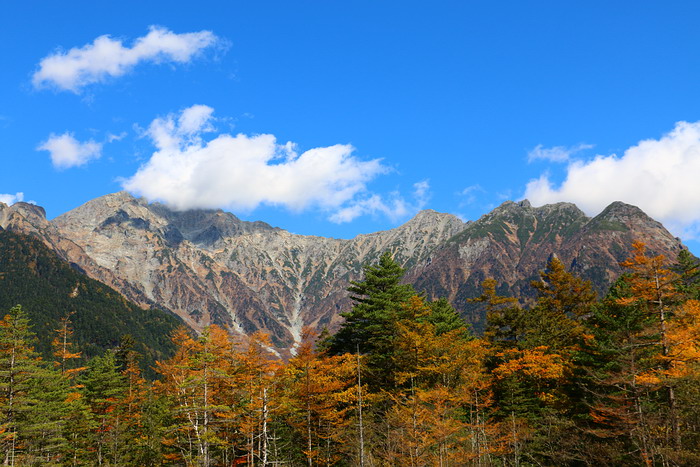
211,267
208,266
30,219
515,241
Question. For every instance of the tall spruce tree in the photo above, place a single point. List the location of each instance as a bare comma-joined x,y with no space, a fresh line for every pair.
43,423
688,269
370,327
103,386
19,366
444,317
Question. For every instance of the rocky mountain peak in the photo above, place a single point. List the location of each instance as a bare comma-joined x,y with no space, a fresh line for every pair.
29,210
22,216
620,216
206,226
106,210
620,210
520,224
562,208
210,267
428,218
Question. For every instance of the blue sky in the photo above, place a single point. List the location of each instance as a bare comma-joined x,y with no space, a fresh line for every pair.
388,107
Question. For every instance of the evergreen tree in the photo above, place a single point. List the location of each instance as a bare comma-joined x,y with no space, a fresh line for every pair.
19,371
534,362
503,315
370,327
103,386
43,423
687,268
443,316
563,301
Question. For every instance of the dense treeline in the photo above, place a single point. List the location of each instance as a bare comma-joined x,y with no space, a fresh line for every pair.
566,380
49,290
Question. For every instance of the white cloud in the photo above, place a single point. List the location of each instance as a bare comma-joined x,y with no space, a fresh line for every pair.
421,193
106,57
556,153
112,137
395,208
11,199
242,172
195,120
659,176
66,151
469,194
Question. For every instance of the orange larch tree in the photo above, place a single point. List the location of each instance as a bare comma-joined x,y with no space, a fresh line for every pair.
191,378
652,285
319,399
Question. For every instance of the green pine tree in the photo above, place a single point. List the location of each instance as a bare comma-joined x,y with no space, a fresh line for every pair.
610,360
688,269
19,369
42,426
444,317
370,327
103,386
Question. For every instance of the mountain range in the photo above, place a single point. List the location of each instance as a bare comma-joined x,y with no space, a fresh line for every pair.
209,267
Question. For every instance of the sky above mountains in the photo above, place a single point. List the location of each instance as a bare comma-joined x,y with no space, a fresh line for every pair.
338,118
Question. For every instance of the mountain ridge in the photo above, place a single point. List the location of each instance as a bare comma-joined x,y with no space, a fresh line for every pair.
209,266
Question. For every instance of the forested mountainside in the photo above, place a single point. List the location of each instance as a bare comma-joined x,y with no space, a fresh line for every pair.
209,267
50,291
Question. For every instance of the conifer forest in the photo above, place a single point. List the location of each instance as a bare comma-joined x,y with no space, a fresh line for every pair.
568,378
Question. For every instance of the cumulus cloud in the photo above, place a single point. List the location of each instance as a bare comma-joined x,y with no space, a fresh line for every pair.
395,208
660,176
556,153
66,151
108,58
11,199
242,172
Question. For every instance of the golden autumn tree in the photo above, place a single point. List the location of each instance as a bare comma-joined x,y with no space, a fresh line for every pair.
257,397
652,286
534,358
191,378
438,416
319,398
683,336
64,349
684,374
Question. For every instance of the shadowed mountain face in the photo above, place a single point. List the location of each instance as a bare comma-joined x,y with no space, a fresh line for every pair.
208,266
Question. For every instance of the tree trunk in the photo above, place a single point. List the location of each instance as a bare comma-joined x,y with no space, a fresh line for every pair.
359,409
264,428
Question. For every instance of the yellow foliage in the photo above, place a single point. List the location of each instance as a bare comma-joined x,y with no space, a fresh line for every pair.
534,363
647,379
